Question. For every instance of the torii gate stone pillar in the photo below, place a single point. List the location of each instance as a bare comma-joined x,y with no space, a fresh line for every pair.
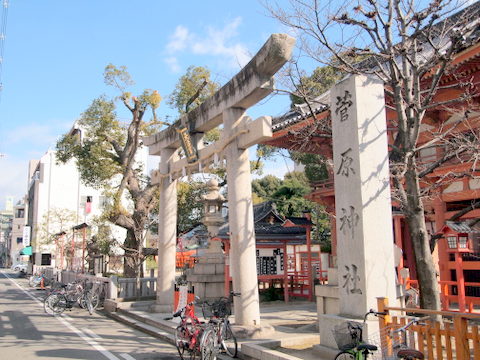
228,105
243,265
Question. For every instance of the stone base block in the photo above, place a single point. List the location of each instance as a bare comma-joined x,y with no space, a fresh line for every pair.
161,308
212,290
110,305
332,275
327,299
327,323
253,332
325,352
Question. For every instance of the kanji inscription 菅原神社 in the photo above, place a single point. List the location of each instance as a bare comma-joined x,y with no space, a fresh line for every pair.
346,167
349,220
351,279
343,104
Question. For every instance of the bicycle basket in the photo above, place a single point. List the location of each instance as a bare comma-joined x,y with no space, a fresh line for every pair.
347,335
219,308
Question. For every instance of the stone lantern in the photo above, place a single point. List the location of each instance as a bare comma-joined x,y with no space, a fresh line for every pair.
213,203
208,274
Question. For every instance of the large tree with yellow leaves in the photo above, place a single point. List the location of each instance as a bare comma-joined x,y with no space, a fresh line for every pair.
106,152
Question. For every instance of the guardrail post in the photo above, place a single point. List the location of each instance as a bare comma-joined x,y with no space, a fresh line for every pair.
383,323
461,341
113,287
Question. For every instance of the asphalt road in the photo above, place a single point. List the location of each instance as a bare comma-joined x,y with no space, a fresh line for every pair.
27,332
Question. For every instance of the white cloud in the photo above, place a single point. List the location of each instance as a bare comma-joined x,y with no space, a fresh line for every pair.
36,135
29,134
172,62
21,144
178,40
13,182
217,42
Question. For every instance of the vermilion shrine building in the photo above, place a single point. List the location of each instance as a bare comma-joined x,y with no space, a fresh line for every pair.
458,246
286,257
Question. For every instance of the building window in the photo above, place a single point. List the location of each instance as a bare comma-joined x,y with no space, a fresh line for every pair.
19,240
462,242
452,242
20,213
46,259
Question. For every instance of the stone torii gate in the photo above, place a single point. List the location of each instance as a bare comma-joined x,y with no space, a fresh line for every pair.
228,106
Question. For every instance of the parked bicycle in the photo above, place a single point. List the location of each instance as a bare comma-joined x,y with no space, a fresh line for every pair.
218,313
67,295
192,337
349,339
401,349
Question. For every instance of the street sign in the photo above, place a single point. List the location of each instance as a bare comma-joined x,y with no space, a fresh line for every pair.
26,236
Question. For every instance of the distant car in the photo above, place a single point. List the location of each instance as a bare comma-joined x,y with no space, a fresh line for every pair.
20,267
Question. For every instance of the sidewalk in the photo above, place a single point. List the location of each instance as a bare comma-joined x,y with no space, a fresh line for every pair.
295,324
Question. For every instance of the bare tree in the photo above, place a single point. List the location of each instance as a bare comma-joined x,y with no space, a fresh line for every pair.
412,47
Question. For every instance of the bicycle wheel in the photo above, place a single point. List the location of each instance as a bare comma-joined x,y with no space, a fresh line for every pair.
181,341
410,354
93,299
229,341
208,349
55,304
87,299
344,355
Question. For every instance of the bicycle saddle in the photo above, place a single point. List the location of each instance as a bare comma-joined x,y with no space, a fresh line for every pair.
410,353
367,347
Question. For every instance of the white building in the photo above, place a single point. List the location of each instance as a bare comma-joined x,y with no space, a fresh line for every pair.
57,187
16,238
54,187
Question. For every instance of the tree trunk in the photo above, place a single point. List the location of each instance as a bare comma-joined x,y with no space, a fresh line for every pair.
415,217
139,263
129,266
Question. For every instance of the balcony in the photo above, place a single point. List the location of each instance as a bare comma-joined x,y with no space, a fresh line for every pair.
322,188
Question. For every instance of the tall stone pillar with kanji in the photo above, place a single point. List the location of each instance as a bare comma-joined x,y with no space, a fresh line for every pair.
365,255
362,195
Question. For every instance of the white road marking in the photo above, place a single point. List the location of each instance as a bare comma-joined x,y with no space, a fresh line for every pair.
67,317
91,342
92,334
127,356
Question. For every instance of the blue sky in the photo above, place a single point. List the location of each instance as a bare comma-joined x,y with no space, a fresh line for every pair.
55,52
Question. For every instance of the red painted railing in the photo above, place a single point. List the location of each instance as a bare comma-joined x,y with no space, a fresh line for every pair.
449,296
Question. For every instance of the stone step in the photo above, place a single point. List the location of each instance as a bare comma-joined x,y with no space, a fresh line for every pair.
146,328
163,325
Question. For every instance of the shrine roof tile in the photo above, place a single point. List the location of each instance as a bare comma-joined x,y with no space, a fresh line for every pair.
461,226
299,220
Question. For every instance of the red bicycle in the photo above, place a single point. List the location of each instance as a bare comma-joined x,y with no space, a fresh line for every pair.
192,337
